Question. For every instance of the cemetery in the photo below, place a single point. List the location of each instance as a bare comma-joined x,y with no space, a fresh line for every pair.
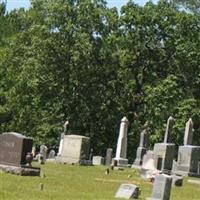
155,175
100,100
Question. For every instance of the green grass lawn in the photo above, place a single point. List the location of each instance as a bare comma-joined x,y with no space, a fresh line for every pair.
66,182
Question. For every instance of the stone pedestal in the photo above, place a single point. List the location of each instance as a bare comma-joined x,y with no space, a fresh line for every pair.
164,155
75,150
188,162
20,170
121,162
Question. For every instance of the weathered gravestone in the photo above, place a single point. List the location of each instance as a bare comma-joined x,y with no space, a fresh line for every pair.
61,144
164,152
75,150
43,154
121,151
148,169
128,191
161,188
142,149
98,160
108,158
15,154
52,154
188,162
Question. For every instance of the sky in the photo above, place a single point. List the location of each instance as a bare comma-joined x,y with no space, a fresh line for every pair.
11,4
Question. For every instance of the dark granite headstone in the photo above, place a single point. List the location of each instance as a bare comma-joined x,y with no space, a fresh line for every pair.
15,154
14,148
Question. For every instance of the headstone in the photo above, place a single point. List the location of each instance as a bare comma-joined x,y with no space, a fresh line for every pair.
61,144
15,154
128,191
91,155
168,131
148,169
122,144
52,154
142,149
33,151
165,152
148,160
109,156
98,160
164,155
75,150
161,188
188,133
188,160
43,154
188,155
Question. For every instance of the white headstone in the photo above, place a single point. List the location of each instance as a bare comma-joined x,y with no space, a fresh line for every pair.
188,132
98,160
122,139
122,143
128,191
61,144
75,150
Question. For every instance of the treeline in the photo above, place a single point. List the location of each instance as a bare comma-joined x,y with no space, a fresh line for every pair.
81,61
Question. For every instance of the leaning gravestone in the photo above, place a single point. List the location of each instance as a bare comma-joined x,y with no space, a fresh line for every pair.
188,162
164,152
161,188
75,150
128,191
15,154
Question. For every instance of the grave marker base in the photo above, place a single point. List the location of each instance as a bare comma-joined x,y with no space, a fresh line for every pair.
20,170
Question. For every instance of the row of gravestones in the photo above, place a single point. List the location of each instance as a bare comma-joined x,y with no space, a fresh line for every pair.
163,154
74,149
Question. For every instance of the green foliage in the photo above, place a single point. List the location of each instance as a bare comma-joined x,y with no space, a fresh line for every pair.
81,61
192,5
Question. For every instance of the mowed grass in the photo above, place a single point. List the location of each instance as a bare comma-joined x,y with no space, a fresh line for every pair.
66,182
